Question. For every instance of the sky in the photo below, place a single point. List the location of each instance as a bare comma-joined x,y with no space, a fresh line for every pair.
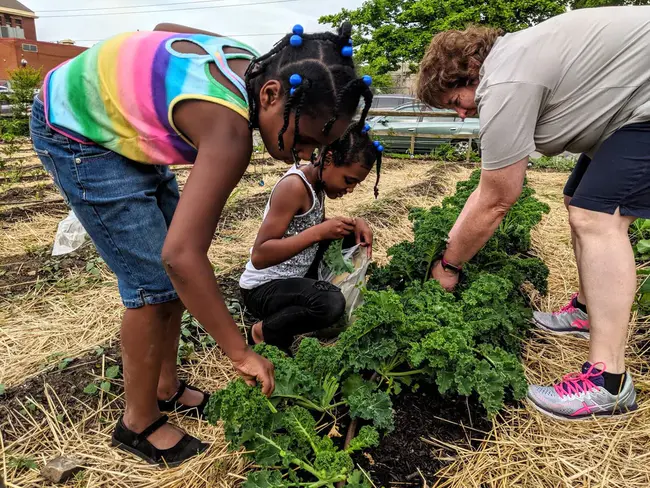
267,22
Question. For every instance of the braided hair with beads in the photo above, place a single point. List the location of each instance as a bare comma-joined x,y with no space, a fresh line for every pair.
327,83
355,145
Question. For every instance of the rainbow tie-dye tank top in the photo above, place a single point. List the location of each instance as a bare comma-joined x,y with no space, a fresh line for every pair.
121,93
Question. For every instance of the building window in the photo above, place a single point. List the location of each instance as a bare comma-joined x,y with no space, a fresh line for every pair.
8,20
19,23
30,48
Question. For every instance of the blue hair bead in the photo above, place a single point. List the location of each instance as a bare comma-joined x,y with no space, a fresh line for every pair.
295,40
366,129
295,79
292,91
380,148
376,144
298,30
350,42
347,51
367,79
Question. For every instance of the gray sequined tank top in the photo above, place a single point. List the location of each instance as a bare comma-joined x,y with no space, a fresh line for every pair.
297,266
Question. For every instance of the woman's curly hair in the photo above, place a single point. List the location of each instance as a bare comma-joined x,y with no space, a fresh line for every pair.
454,59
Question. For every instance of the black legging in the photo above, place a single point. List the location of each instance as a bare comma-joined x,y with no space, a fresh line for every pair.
294,306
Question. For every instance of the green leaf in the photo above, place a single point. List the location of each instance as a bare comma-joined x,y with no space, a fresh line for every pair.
334,259
99,351
643,246
105,386
366,438
357,480
22,463
64,363
370,404
265,479
2,389
112,372
91,389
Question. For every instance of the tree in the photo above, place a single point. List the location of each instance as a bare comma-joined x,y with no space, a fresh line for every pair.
389,33
24,83
576,4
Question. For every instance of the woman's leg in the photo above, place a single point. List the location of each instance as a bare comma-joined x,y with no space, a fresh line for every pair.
612,192
606,265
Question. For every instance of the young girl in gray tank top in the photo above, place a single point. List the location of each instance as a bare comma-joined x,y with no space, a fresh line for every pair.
279,285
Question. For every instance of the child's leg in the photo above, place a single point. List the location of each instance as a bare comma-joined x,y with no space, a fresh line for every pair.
117,202
295,306
142,352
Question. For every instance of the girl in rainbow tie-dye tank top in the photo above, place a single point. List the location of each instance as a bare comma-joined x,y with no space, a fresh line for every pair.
108,124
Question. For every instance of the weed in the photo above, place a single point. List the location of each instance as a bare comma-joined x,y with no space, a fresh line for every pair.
22,463
555,163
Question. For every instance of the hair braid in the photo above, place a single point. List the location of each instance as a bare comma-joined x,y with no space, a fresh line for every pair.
303,89
330,83
287,112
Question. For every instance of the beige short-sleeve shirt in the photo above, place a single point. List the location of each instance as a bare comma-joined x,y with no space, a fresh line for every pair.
565,84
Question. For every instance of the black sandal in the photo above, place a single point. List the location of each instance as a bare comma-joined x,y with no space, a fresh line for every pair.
172,404
137,444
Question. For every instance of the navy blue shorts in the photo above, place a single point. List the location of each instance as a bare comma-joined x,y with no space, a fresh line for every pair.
618,176
126,208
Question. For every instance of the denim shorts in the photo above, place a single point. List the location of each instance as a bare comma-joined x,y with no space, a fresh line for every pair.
126,207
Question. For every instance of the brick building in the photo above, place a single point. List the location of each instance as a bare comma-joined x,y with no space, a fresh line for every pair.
19,44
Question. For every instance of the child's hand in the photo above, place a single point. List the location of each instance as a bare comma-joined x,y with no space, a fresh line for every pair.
363,233
256,369
336,228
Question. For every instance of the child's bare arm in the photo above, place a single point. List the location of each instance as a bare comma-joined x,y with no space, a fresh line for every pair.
224,151
288,200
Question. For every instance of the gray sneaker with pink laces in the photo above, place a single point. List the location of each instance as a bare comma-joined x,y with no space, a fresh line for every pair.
582,395
568,320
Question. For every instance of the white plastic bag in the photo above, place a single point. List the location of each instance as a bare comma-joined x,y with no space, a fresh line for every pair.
349,283
70,235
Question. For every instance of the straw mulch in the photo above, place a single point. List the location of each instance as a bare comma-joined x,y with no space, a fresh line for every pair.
524,448
49,430
39,328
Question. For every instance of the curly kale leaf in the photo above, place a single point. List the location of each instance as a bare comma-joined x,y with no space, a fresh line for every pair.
357,480
265,479
321,361
369,403
366,438
334,259
244,410
371,339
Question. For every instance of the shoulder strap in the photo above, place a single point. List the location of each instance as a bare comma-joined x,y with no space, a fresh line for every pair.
214,46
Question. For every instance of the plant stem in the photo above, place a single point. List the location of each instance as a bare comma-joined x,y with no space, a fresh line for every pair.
303,401
405,373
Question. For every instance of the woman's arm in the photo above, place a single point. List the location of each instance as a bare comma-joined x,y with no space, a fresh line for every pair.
224,151
497,191
181,29
271,247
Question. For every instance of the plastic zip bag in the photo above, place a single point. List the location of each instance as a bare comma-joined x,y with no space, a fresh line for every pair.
70,235
349,283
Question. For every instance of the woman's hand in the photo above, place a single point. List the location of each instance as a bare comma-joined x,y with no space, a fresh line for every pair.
256,369
363,233
336,228
448,279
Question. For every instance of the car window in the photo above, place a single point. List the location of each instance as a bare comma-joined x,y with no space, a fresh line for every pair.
394,120
383,103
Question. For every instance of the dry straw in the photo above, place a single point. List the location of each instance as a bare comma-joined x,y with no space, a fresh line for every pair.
525,449
42,323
